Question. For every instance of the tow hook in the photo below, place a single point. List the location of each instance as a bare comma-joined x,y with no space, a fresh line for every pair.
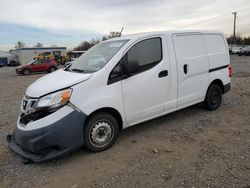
9,137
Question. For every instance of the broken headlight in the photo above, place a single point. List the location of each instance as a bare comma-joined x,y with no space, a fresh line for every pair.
54,100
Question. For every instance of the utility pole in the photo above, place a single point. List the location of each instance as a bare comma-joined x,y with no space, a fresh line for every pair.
234,37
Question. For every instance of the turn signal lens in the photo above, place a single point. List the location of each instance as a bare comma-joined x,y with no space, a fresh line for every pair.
56,99
65,96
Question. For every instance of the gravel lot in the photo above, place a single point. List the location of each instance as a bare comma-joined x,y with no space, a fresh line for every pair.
190,148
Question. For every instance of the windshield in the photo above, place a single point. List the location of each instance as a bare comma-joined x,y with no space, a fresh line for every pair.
97,56
31,62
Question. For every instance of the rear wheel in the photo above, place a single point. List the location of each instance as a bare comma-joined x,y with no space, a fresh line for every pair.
52,69
213,97
26,72
101,132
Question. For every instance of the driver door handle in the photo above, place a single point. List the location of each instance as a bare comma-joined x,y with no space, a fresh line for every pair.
163,73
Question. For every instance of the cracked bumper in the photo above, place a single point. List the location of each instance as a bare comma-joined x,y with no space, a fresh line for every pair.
60,137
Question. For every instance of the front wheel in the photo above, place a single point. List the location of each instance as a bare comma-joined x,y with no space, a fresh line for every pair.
26,72
101,132
213,97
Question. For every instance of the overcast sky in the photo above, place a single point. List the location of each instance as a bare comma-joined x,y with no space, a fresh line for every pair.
67,23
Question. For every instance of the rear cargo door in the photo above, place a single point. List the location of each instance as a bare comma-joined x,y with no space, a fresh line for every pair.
192,68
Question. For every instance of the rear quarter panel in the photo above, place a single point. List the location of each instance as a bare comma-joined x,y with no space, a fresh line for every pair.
218,56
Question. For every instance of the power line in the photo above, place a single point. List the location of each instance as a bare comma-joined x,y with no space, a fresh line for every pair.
211,19
203,21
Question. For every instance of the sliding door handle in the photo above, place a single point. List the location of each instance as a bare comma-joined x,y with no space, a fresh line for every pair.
185,68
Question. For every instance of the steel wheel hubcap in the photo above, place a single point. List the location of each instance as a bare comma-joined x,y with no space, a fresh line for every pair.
101,133
215,97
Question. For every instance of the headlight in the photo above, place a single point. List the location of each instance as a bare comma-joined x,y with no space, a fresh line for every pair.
56,99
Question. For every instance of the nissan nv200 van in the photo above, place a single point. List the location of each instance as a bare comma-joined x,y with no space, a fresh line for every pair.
119,83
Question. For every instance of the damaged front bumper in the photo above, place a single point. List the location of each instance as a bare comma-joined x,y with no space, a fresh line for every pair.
49,137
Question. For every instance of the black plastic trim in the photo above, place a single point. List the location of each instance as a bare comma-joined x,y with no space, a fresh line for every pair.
227,88
52,141
218,68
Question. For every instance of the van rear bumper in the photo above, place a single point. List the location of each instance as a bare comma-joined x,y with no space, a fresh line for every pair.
57,139
227,88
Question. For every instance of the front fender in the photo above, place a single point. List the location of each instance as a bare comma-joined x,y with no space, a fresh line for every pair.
89,98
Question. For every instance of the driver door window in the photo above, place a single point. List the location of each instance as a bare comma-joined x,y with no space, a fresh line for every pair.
147,53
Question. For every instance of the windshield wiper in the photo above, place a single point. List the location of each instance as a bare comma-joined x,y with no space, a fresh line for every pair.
77,70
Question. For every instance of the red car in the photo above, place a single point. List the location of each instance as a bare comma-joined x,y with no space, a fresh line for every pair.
37,66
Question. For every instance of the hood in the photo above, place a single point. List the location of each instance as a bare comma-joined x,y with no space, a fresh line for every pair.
21,66
55,81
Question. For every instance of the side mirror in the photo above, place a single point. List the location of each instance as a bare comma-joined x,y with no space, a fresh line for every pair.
132,67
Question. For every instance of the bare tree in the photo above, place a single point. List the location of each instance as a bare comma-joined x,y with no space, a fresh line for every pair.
39,45
240,40
19,45
85,45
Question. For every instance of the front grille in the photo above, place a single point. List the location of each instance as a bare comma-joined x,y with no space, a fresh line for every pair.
25,119
29,113
28,104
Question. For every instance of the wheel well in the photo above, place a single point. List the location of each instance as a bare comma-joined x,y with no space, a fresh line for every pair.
111,111
27,69
13,62
218,83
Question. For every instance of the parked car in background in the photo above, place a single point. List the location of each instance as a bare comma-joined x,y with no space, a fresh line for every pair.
8,59
244,51
236,50
48,65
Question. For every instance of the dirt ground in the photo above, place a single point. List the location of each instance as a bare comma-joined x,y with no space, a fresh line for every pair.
189,148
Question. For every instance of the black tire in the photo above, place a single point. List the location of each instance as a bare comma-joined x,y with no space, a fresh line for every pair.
99,124
26,72
13,63
52,69
213,98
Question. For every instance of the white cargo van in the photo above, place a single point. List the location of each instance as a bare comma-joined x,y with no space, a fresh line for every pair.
134,79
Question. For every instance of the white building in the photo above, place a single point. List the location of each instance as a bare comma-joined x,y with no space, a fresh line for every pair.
26,55
7,58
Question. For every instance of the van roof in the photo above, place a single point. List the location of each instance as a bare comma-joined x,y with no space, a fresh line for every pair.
148,34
